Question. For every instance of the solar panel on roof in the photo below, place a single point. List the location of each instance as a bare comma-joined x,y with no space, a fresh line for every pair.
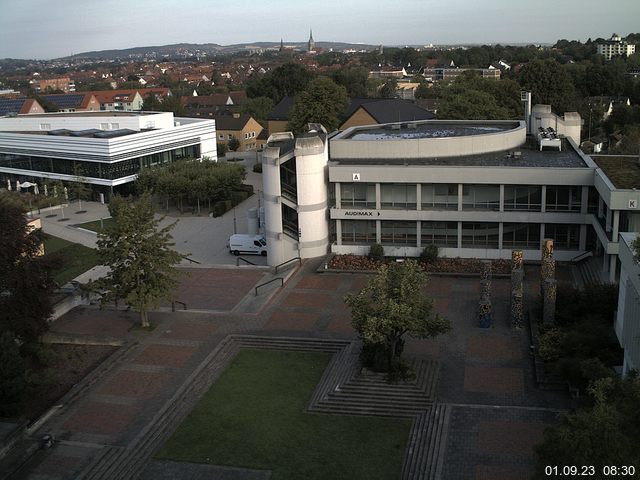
72,100
11,105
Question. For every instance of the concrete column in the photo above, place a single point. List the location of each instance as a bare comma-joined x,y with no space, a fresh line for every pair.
418,235
459,234
418,198
600,206
583,238
500,232
541,234
584,205
460,191
339,232
616,225
272,205
543,201
338,195
378,230
501,200
613,259
608,221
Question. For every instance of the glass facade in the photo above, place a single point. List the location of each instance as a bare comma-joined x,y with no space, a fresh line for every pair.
480,235
288,179
481,197
521,235
401,196
442,234
397,232
563,199
358,232
358,195
103,170
439,196
565,237
523,198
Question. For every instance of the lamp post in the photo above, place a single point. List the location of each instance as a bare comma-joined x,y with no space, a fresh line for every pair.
590,111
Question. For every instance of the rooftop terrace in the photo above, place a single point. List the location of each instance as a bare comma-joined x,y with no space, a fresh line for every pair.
407,131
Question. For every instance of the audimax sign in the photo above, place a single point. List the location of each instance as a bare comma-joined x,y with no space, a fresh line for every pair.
361,213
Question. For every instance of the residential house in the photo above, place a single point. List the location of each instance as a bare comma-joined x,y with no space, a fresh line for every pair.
15,106
371,111
64,83
119,100
615,47
74,102
242,127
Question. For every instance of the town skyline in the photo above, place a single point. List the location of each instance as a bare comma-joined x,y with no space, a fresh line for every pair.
73,27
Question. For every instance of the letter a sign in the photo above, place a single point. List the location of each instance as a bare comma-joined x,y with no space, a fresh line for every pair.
356,177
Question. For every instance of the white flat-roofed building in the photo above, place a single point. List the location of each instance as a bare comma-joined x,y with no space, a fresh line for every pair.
106,149
627,323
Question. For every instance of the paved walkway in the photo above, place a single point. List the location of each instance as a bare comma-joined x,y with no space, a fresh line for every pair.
496,412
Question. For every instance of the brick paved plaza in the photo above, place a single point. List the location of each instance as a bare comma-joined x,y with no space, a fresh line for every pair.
497,413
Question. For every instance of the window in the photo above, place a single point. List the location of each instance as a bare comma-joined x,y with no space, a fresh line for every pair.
565,237
220,137
480,235
358,232
521,235
115,126
442,234
563,199
399,233
440,196
523,197
398,196
358,195
230,137
481,197
45,126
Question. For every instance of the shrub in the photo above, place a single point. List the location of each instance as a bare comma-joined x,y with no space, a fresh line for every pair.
219,208
550,344
429,253
257,168
376,252
238,197
221,149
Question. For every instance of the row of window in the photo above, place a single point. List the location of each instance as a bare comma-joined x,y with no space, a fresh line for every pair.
109,171
474,197
445,234
247,136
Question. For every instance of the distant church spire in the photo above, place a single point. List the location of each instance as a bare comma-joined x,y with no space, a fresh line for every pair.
281,44
311,44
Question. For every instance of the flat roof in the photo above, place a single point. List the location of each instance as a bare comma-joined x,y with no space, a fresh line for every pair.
101,113
440,129
529,156
622,170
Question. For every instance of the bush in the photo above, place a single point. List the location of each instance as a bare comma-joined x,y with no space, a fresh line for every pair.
429,253
238,197
376,252
218,208
550,344
221,149
257,168
13,383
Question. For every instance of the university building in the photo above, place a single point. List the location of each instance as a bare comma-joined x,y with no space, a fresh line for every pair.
473,188
107,149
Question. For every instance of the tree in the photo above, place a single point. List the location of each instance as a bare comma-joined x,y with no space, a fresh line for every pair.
354,79
321,102
233,144
286,80
13,383
25,283
259,108
549,83
79,187
142,264
602,435
388,90
390,306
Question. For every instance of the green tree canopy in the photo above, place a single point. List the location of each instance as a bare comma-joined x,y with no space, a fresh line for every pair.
259,108
550,84
603,435
25,284
393,304
139,254
321,102
286,80
354,79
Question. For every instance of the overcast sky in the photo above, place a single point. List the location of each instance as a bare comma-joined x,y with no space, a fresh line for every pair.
46,29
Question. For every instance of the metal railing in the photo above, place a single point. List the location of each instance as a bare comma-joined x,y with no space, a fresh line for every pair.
191,260
173,305
287,262
267,283
581,256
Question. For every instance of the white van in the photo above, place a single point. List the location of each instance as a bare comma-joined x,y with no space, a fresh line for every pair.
243,243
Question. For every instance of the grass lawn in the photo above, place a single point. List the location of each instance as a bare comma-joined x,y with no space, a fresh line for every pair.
95,226
71,259
254,417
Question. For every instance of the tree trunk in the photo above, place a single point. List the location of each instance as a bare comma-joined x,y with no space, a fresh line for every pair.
144,319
